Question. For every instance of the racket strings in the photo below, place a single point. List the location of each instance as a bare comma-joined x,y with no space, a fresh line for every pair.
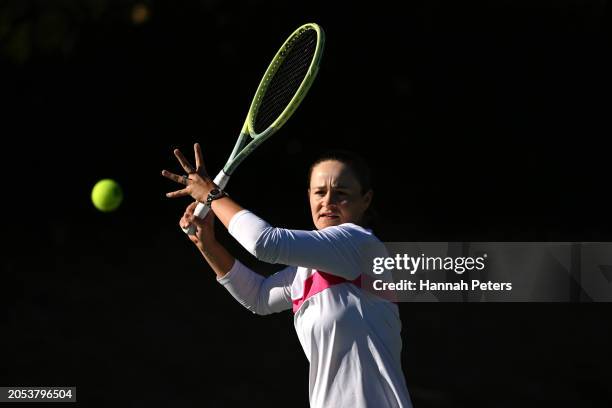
286,80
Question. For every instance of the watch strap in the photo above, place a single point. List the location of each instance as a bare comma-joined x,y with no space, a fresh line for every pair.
215,194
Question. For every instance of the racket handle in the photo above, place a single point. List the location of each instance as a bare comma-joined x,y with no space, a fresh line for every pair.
202,209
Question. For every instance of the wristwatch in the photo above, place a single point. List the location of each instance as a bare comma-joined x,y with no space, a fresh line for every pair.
215,194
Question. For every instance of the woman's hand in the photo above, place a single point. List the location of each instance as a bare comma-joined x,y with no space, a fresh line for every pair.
215,254
197,182
205,228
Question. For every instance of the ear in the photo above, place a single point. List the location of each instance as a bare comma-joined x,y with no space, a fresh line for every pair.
367,198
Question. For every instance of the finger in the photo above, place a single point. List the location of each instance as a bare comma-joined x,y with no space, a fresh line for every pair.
173,177
201,222
179,193
195,220
184,223
208,219
198,157
191,207
184,162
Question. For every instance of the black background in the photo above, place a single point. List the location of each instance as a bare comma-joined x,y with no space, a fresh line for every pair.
481,121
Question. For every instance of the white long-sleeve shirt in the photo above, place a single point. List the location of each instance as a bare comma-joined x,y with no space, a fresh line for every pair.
351,337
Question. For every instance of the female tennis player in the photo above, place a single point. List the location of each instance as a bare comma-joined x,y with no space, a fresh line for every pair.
350,336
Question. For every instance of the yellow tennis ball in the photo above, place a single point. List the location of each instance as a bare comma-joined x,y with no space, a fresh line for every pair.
106,195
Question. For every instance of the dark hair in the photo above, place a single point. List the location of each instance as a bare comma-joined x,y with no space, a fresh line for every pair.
360,170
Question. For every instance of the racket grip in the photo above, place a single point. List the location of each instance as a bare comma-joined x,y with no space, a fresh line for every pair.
202,209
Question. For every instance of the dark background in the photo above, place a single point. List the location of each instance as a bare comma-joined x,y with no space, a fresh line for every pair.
482,121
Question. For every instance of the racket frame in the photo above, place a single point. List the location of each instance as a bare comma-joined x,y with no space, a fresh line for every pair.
244,145
239,153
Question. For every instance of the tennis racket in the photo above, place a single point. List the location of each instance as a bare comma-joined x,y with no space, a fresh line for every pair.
281,90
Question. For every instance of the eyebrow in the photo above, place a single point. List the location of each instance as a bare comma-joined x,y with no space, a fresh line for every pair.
340,187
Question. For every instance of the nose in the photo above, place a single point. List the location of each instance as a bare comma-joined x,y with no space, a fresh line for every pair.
329,198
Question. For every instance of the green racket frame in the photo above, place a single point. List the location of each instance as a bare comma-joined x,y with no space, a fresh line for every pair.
248,140
239,153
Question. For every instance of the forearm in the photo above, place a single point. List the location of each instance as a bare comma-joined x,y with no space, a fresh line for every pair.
219,259
225,208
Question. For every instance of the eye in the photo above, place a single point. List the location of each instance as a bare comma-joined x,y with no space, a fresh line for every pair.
319,193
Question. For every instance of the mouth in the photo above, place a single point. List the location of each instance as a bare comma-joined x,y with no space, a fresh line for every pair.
329,216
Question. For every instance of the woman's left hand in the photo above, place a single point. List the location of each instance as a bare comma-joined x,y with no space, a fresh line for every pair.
196,181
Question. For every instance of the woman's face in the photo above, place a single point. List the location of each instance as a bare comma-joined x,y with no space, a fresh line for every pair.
335,195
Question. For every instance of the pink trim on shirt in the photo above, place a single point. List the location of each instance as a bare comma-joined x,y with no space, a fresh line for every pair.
318,282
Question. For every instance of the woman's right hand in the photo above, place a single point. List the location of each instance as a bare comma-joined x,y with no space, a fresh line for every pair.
205,228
